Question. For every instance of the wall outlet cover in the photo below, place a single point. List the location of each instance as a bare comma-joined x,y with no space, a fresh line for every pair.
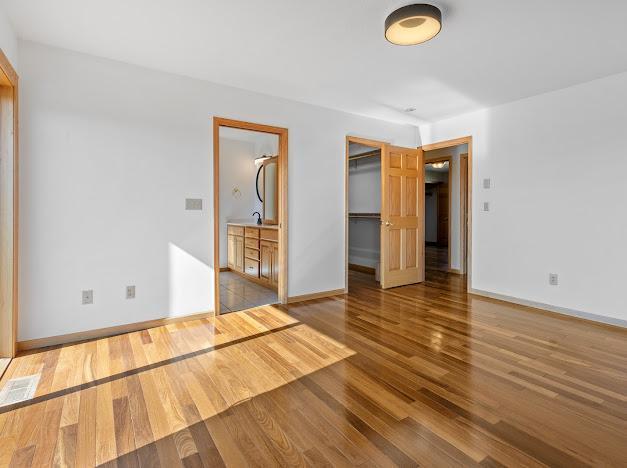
88,296
193,203
130,292
486,206
486,183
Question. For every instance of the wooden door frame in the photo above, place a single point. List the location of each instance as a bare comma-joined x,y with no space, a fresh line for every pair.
282,133
361,141
448,159
9,81
448,144
463,202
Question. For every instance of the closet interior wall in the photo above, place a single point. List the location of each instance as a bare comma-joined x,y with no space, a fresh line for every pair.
364,206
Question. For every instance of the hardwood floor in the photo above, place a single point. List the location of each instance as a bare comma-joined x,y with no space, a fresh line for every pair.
436,258
422,374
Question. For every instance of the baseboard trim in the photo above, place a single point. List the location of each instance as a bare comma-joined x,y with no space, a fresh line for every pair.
318,295
37,343
601,320
361,268
223,269
455,271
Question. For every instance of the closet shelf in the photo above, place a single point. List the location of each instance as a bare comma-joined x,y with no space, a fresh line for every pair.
365,215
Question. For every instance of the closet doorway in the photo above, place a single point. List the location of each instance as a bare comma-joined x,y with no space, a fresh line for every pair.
384,212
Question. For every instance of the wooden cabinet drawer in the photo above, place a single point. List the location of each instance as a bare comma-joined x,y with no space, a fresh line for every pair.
270,234
252,243
251,253
235,230
252,232
251,267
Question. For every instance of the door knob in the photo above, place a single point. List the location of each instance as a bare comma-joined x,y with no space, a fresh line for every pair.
387,223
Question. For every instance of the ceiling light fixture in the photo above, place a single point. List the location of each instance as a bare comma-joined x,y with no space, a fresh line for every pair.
438,165
413,24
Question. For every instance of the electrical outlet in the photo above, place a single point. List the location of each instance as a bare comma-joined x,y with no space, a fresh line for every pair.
486,206
553,279
130,292
88,296
193,203
486,183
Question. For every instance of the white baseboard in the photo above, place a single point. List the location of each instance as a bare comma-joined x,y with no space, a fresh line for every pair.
551,308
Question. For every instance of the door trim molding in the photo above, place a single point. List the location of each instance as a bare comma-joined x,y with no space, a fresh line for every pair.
9,81
448,144
282,133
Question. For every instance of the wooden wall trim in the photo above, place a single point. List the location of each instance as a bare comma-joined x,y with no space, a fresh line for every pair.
104,332
318,295
569,314
9,82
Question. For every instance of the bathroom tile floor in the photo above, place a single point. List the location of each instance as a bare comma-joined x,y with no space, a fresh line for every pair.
238,293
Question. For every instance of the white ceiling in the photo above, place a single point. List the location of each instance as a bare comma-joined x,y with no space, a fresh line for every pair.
332,52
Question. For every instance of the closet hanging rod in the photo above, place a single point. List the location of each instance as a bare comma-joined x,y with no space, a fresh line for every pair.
365,215
369,154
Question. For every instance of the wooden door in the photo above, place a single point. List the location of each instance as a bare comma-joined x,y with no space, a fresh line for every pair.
276,265
230,252
235,253
402,216
443,214
265,270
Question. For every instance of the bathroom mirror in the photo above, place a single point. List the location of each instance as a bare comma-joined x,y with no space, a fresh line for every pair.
270,197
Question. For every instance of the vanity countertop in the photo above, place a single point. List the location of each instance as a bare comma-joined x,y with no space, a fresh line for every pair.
253,225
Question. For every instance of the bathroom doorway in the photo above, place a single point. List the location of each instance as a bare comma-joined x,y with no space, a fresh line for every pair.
250,215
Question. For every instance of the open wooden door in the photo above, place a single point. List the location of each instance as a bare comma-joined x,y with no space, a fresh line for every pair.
402,216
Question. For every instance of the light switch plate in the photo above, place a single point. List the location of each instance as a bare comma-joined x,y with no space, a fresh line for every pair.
130,292
553,279
193,203
487,183
88,296
486,206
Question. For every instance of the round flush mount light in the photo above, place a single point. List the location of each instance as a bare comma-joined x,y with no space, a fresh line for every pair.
413,24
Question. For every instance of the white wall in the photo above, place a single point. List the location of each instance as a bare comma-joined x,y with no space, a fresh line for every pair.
8,40
110,151
545,216
454,152
238,171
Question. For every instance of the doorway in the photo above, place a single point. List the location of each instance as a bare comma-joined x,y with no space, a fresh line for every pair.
388,192
448,181
438,185
8,211
250,215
